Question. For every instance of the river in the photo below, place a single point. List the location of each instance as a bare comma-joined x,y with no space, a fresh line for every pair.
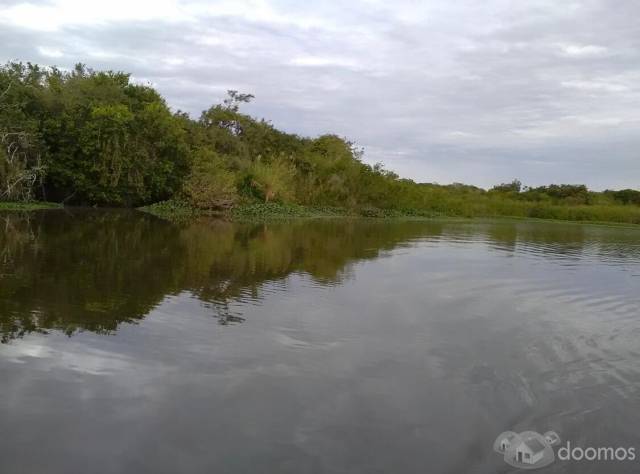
134,345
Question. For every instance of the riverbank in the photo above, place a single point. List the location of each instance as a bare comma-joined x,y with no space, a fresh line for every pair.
616,215
28,206
230,160
175,210
179,210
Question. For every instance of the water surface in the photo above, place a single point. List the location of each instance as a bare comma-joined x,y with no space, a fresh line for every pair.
131,344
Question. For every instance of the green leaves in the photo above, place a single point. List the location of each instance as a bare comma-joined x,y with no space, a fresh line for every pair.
102,139
210,185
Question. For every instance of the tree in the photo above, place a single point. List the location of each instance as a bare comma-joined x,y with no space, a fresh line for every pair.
234,99
21,167
272,181
514,186
108,141
210,185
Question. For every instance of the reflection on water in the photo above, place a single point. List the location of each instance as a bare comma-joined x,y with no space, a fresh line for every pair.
93,270
135,345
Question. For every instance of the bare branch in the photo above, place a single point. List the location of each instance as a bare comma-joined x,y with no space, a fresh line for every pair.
6,91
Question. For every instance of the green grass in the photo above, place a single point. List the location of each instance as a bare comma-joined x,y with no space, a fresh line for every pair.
488,206
173,209
179,210
27,206
459,208
273,210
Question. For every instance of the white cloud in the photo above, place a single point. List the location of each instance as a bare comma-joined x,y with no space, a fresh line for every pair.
323,61
173,61
595,86
60,13
50,52
583,50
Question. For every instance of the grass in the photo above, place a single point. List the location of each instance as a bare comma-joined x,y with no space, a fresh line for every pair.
273,210
178,210
520,210
28,206
466,208
172,209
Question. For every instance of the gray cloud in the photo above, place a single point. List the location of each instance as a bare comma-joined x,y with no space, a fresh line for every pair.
478,92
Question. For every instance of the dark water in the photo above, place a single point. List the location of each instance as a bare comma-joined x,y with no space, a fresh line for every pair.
132,345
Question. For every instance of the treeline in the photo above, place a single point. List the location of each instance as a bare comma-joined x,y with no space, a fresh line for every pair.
97,138
570,194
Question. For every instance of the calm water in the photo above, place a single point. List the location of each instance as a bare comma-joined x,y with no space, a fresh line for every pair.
132,345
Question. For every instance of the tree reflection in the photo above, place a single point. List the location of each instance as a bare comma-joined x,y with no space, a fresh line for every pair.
93,270
96,269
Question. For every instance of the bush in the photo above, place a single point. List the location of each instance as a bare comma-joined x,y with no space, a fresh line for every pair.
210,185
273,181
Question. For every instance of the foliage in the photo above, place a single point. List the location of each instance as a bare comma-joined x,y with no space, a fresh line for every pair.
172,209
625,196
210,185
27,206
21,167
514,186
104,140
559,193
279,210
272,181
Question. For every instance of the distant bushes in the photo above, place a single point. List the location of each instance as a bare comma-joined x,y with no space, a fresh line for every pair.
624,196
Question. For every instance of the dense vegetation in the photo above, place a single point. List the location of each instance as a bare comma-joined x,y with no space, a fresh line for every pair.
96,138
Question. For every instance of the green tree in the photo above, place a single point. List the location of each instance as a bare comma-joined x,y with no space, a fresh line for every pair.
109,141
210,185
21,167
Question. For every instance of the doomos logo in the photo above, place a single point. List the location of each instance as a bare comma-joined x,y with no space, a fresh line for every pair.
531,450
527,450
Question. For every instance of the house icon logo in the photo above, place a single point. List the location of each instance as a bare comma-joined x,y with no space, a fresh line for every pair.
527,450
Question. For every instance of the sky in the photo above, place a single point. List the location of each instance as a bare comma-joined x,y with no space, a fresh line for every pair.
480,92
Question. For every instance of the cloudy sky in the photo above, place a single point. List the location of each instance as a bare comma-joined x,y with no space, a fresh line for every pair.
447,91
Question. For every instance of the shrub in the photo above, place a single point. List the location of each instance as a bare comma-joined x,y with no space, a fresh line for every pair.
274,181
210,185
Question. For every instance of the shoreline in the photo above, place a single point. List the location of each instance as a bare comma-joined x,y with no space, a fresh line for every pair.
171,210
29,206
178,211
